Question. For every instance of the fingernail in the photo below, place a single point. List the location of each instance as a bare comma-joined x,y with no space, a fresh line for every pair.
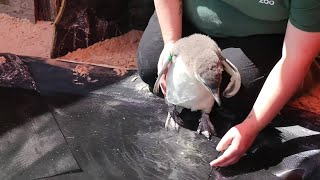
218,147
212,163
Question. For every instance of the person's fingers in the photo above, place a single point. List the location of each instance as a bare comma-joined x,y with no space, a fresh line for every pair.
231,161
227,156
225,141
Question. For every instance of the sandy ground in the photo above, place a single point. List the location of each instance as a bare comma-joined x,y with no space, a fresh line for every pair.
18,8
21,37
2,60
310,101
116,52
309,97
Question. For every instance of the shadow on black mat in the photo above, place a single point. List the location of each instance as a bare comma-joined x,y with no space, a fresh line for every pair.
31,144
54,77
17,108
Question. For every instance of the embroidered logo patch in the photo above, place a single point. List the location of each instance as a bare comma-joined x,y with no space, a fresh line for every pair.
268,2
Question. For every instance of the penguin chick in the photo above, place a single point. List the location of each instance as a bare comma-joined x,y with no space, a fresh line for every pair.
193,80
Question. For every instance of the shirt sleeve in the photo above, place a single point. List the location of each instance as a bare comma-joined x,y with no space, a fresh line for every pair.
305,15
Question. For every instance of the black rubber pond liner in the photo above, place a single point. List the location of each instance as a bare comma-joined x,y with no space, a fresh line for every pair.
31,143
50,75
114,128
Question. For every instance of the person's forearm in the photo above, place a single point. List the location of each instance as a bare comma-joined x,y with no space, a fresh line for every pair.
299,50
169,14
282,83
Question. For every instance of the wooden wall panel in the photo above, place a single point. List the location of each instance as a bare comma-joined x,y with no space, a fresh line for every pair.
47,10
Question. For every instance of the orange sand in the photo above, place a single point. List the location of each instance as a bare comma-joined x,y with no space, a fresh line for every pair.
310,101
2,60
81,70
117,52
21,37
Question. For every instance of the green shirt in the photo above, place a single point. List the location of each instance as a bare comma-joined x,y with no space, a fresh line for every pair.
250,17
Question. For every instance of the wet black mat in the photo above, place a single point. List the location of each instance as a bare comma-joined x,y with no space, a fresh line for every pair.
123,138
31,144
118,133
72,176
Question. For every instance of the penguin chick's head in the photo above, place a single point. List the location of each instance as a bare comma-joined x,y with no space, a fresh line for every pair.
202,57
198,49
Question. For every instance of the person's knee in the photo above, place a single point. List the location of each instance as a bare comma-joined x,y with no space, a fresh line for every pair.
146,73
149,50
250,74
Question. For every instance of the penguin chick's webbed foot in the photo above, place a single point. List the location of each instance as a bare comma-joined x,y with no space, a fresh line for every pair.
173,120
206,127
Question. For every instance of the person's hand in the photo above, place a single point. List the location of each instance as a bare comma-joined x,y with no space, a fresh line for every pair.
235,143
167,50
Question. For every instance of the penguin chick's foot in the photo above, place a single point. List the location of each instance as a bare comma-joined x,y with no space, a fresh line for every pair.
171,124
206,127
173,120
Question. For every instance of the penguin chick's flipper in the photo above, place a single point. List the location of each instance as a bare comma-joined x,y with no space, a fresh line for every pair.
161,73
206,127
173,120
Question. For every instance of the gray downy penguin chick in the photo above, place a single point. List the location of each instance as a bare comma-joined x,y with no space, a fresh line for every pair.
193,80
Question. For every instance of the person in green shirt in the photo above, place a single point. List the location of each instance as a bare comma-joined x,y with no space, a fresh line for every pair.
280,38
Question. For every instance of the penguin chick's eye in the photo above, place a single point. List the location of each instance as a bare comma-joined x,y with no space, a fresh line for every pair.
215,67
211,67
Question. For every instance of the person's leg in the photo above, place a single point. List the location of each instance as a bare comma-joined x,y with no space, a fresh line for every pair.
263,52
149,50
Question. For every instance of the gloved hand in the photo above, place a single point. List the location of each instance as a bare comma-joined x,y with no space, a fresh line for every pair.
166,52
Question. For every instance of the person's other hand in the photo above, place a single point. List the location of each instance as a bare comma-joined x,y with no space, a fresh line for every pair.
167,50
235,143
